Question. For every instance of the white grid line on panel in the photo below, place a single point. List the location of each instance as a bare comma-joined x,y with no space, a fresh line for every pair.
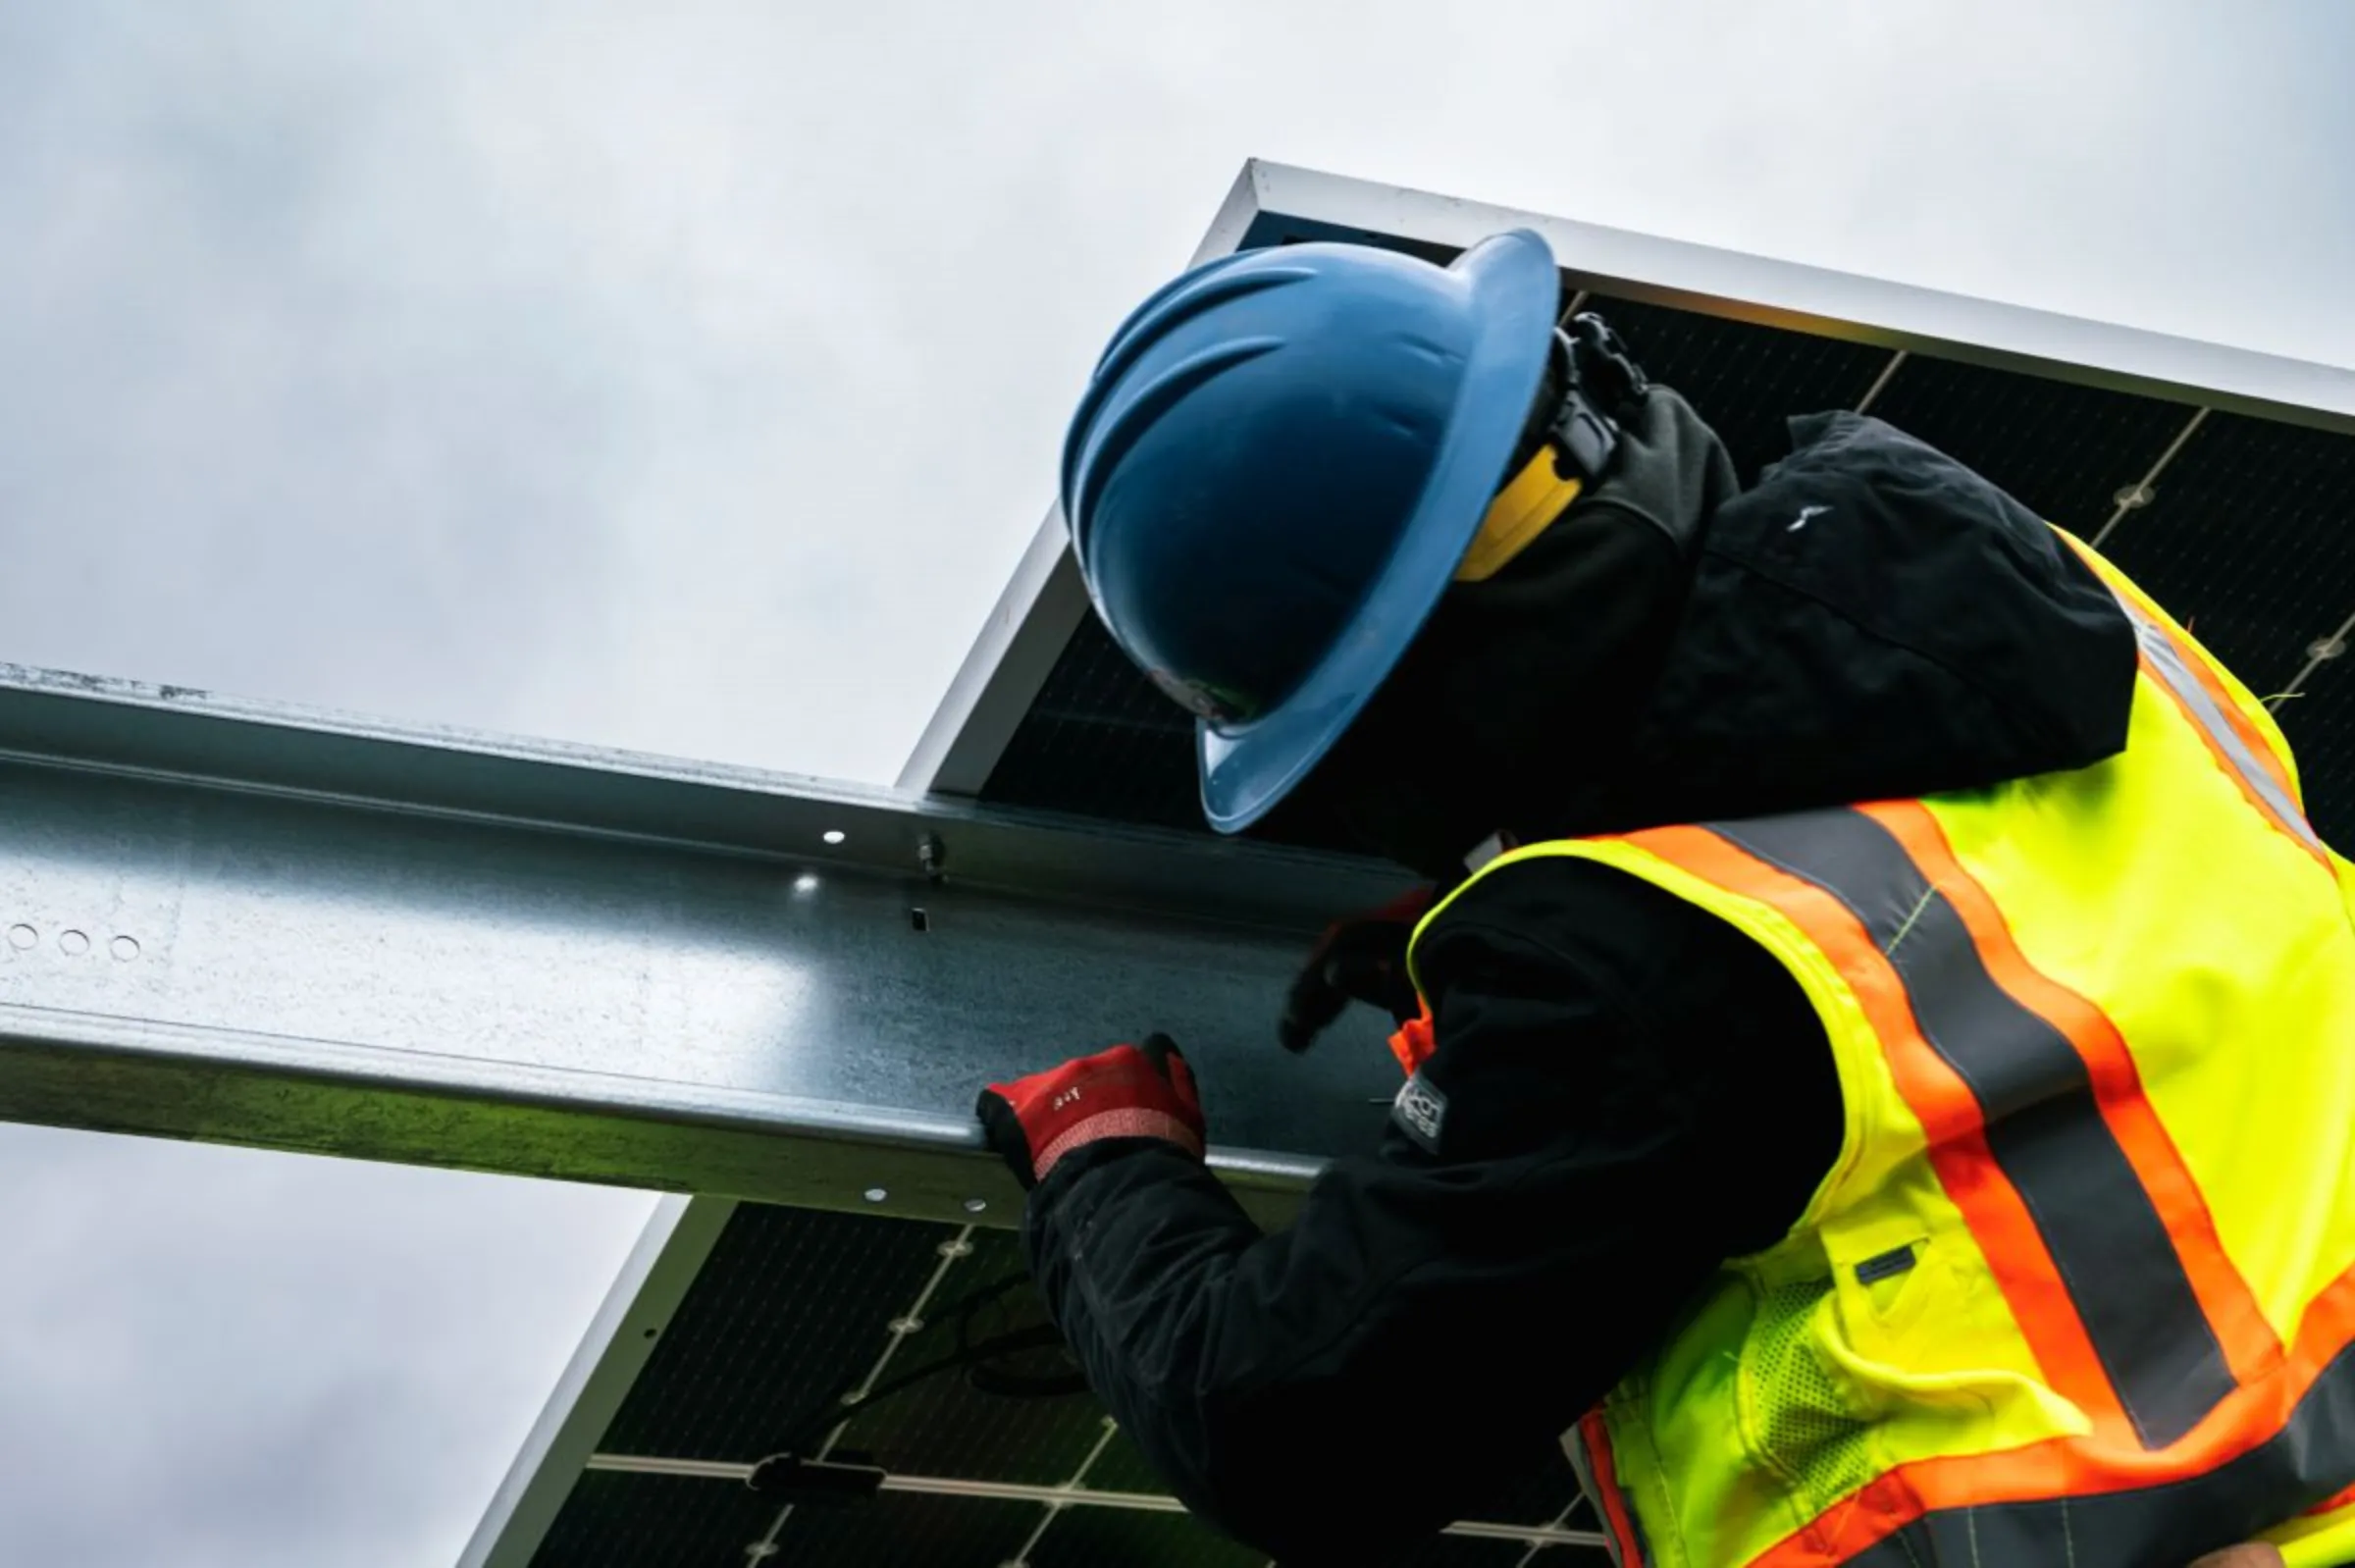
2317,653
1562,1519
1880,383
2139,493
1055,1510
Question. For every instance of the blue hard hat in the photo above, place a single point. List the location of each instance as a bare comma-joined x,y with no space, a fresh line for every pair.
1276,467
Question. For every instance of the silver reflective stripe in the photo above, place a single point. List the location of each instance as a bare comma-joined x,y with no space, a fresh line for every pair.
2167,659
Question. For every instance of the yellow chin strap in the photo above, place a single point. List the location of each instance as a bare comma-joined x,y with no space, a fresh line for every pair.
1521,511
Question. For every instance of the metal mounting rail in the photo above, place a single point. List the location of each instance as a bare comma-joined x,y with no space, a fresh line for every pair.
260,925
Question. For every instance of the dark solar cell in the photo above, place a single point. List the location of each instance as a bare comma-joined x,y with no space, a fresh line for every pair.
2251,539
1268,231
1089,1537
1462,1551
792,1306
628,1521
1124,1468
2064,451
1744,379
1534,1495
946,1426
903,1531
1100,741
1086,1537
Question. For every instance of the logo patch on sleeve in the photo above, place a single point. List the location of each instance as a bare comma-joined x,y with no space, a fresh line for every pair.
1420,1110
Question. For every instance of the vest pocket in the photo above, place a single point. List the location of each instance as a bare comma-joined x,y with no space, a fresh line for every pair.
1928,1354
1880,1359
1800,1410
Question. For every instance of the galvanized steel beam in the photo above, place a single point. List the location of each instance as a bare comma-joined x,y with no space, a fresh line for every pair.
254,925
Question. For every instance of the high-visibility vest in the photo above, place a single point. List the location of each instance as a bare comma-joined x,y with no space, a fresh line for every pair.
2081,1287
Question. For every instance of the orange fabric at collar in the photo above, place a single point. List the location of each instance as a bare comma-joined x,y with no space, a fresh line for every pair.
1413,1042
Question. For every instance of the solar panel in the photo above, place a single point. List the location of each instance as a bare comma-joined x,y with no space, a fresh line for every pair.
796,1307
2219,480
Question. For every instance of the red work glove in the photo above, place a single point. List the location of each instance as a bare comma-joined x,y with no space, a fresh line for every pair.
1129,1091
1361,959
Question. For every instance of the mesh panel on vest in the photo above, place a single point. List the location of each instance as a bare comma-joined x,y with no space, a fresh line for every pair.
1806,1421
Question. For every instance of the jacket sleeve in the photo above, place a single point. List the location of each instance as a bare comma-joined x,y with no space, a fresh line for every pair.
1436,1316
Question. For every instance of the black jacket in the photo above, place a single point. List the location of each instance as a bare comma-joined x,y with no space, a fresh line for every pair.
1634,1091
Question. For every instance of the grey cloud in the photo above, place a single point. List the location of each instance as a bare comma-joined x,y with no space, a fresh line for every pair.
220,1357
685,379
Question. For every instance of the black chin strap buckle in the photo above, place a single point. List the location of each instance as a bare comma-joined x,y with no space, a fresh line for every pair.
1598,375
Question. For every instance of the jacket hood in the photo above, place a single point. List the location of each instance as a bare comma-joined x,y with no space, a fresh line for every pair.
1875,621
1870,620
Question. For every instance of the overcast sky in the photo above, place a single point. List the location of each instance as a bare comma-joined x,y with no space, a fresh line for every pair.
688,378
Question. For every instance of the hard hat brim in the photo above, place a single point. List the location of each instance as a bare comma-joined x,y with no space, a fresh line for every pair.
1247,769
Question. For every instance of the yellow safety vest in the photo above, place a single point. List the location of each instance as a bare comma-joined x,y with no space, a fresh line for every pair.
2080,1288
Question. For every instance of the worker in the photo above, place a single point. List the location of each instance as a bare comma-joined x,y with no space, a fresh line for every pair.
1878,1026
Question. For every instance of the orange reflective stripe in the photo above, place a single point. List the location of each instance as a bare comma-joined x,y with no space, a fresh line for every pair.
2043,1128
1941,1099
2277,1446
1610,1502
2249,1343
